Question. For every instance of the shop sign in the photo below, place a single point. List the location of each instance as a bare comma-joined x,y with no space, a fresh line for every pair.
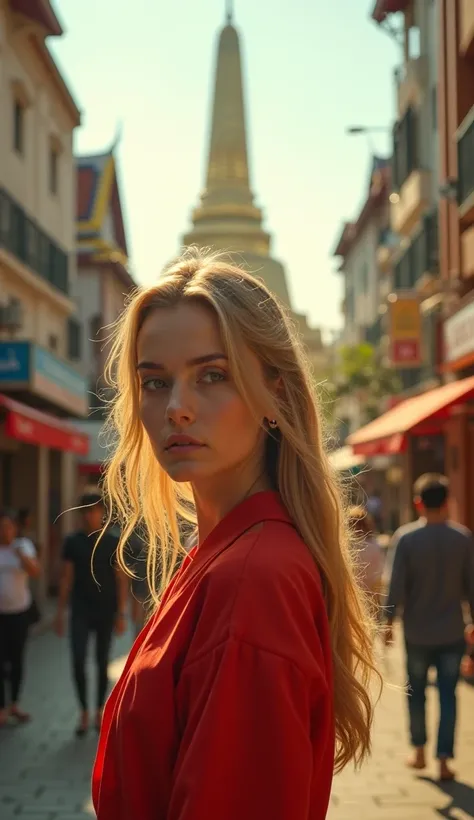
405,330
28,366
459,334
56,380
14,363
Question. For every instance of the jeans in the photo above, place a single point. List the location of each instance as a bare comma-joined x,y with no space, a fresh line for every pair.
82,625
446,660
13,636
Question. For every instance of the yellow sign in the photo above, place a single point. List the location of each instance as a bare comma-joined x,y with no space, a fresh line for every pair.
405,330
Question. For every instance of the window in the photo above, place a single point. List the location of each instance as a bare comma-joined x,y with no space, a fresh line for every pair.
74,339
364,278
404,148
53,169
53,342
434,107
18,126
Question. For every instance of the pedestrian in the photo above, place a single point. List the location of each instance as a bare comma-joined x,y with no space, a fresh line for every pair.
251,682
139,588
375,509
369,556
97,591
432,578
18,564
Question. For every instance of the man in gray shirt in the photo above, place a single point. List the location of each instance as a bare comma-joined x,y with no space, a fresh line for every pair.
432,577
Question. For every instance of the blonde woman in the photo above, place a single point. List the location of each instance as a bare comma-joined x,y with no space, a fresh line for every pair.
250,684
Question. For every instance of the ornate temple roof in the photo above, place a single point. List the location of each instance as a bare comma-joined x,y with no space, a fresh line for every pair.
100,228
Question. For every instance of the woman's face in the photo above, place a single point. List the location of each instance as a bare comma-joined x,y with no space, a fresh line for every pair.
7,530
198,424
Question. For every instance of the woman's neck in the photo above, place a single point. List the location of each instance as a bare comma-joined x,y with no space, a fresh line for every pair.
214,503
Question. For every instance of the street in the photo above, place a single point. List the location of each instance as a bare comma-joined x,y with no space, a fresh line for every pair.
45,770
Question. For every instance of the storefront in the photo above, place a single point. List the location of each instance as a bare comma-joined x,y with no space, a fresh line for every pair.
432,432
39,447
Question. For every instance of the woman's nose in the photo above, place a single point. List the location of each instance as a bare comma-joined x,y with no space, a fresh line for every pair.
180,409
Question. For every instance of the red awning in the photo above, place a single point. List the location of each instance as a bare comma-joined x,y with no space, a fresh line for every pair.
387,435
34,427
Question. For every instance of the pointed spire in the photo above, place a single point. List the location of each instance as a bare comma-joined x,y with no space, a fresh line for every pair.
227,208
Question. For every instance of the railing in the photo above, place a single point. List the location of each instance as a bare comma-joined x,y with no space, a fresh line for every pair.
374,333
22,237
405,147
466,164
421,256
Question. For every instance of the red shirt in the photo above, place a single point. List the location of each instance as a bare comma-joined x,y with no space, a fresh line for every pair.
224,710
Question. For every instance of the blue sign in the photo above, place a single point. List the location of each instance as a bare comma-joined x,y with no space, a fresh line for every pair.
48,366
14,362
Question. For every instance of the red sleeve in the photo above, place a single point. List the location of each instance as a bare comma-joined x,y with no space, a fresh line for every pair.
248,747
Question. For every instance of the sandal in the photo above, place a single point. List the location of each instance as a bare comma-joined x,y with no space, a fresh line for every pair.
19,715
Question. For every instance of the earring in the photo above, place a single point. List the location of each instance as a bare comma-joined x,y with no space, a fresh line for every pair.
273,424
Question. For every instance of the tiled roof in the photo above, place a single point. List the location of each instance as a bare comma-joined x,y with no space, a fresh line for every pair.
97,195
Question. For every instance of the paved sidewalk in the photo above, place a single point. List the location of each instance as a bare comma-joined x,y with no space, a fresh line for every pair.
385,789
45,770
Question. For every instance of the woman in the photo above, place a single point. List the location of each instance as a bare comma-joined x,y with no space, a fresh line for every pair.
368,554
241,694
17,565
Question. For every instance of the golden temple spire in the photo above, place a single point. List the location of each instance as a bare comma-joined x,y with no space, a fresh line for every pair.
226,216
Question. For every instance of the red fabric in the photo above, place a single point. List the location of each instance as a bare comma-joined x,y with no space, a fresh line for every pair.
27,424
224,710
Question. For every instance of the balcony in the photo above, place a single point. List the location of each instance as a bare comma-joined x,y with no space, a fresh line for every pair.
465,137
411,80
467,252
412,200
417,269
466,28
22,237
375,333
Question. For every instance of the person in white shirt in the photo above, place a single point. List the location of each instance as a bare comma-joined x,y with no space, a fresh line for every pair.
18,563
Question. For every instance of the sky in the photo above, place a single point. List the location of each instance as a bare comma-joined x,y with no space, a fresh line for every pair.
311,70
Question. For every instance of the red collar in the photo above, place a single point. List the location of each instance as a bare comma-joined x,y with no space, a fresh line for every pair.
264,506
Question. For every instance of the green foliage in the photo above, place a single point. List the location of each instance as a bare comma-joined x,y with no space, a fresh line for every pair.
361,374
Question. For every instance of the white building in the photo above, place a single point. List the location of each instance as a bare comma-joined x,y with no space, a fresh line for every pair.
40,384
365,247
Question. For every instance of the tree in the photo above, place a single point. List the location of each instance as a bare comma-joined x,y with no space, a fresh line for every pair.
360,373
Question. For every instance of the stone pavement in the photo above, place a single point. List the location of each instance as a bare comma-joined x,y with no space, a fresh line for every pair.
45,770
385,789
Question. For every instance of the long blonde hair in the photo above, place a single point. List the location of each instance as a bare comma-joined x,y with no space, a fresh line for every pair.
140,493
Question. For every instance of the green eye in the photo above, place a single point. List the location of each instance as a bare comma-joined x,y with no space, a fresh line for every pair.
213,376
153,384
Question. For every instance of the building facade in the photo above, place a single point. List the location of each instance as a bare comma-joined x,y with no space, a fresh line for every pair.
433,213
364,248
103,284
456,218
40,382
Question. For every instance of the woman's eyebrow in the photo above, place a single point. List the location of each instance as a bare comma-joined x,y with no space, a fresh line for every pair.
208,357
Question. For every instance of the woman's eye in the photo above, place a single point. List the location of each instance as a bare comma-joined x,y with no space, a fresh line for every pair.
212,376
153,384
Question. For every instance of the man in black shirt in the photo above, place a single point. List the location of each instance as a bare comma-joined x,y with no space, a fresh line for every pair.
97,592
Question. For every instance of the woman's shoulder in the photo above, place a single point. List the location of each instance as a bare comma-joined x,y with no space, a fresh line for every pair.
265,589
273,550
